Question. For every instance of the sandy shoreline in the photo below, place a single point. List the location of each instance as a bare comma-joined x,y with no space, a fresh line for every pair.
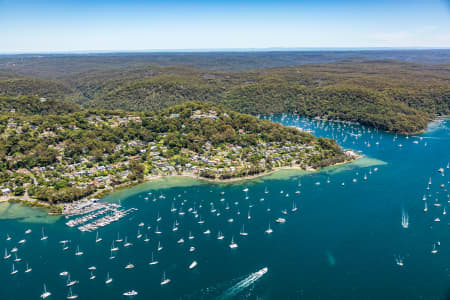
103,193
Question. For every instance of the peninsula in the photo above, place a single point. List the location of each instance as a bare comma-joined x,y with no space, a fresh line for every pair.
63,158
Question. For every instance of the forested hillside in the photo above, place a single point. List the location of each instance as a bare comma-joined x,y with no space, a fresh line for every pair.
390,95
33,105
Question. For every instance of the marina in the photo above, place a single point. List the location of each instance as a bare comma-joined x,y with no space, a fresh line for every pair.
98,215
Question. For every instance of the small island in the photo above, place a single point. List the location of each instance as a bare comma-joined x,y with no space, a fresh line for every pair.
54,159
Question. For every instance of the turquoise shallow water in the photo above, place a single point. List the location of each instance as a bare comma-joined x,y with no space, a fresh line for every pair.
341,243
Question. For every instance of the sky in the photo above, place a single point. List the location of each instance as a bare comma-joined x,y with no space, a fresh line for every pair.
38,26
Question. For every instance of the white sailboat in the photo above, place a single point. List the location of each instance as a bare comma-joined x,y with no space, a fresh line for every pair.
112,256
160,247
192,265
233,245
16,259
70,282
434,250
127,244
294,207
130,293
113,247
7,255
64,246
129,266
14,270
242,232
426,207
269,230
108,279
153,261
220,235
43,237
98,239
78,252
71,295
157,231
164,280
119,239
28,269
405,220
399,261
8,238
46,293
92,277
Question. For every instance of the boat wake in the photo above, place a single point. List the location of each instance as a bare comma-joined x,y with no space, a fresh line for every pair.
243,284
233,289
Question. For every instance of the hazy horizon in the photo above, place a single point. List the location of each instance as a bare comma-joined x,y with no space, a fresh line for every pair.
27,26
226,50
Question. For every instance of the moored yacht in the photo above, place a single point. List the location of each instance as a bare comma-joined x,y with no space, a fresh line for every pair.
192,265
242,232
71,295
70,282
113,247
43,237
233,245
119,239
28,269
13,270
130,293
78,252
7,255
98,239
127,244
164,280
46,293
153,261
108,279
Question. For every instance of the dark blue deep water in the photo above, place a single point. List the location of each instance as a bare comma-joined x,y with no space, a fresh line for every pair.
343,242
